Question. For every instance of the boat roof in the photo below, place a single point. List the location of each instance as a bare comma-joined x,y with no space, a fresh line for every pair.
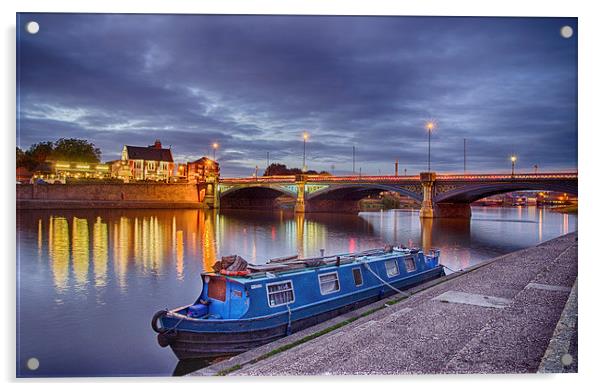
293,265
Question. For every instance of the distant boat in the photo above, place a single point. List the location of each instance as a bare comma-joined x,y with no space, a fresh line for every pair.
245,306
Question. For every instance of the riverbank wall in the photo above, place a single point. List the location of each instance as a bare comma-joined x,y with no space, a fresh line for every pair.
516,313
122,195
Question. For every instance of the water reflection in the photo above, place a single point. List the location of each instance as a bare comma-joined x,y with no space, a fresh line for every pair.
100,252
58,251
147,241
80,251
84,267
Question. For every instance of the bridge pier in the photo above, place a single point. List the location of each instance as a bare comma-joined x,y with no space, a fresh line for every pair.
428,183
209,193
300,201
430,209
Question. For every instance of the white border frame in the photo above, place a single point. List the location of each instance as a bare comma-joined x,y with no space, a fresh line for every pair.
590,94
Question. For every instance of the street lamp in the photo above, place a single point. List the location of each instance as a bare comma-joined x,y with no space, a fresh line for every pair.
305,137
215,146
430,126
513,160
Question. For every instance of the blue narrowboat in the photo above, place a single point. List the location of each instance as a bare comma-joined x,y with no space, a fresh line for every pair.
252,305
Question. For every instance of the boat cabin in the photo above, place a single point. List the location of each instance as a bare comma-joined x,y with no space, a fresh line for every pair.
296,284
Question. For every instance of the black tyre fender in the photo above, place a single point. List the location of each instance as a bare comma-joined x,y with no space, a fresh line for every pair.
163,340
156,317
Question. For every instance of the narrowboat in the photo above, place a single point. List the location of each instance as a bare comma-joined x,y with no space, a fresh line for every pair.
242,306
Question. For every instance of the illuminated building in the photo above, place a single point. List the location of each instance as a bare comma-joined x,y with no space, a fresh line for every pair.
148,163
120,169
202,169
59,171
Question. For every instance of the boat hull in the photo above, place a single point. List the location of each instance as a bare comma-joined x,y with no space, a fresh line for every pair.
187,344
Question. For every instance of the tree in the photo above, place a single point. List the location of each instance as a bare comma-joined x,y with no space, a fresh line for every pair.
275,169
22,158
75,150
281,169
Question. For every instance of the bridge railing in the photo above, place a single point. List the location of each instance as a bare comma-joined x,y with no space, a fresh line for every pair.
412,178
479,177
260,179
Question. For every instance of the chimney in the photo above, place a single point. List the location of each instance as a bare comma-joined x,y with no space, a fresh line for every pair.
157,144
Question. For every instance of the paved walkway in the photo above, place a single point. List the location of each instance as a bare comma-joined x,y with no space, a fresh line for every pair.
498,318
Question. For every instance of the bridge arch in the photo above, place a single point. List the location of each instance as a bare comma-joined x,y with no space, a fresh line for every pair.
254,196
359,191
346,197
471,193
280,189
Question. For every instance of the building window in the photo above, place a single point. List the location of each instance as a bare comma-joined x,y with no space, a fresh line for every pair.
138,164
151,165
357,276
329,283
280,293
392,268
410,264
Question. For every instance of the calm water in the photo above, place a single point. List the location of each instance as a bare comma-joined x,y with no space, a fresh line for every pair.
90,281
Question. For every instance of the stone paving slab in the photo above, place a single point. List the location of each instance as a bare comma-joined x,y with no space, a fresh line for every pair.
421,335
472,299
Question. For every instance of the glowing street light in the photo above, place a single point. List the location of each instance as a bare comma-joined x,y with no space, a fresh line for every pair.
305,137
430,126
513,160
215,146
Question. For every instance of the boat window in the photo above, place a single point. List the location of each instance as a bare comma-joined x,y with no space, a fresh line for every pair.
392,268
329,283
280,293
410,264
357,276
217,288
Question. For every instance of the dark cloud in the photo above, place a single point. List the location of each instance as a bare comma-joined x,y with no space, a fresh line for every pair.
254,83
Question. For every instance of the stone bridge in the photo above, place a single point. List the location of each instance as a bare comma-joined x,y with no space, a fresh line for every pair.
439,195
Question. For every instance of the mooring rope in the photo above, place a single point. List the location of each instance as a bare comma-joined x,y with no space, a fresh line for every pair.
450,269
289,329
365,263
174,327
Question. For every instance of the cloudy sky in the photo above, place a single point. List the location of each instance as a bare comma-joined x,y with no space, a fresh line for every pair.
255,83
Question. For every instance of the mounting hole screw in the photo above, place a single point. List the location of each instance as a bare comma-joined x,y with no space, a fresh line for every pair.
32,27
33,364
566,359
566,32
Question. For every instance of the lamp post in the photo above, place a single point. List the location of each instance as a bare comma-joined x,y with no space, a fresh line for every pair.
305,137
215,146
430,126
535,167
513,160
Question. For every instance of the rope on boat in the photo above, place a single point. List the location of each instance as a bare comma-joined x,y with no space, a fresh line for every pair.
450,269
365,263
289,329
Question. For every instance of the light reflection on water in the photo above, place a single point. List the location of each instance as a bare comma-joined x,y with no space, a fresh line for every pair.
90,280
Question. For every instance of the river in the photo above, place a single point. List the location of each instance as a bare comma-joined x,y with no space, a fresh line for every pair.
89,281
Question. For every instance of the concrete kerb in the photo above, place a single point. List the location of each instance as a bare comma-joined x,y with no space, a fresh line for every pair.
560,355
261,352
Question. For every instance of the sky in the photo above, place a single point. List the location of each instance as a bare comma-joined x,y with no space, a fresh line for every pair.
254,84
